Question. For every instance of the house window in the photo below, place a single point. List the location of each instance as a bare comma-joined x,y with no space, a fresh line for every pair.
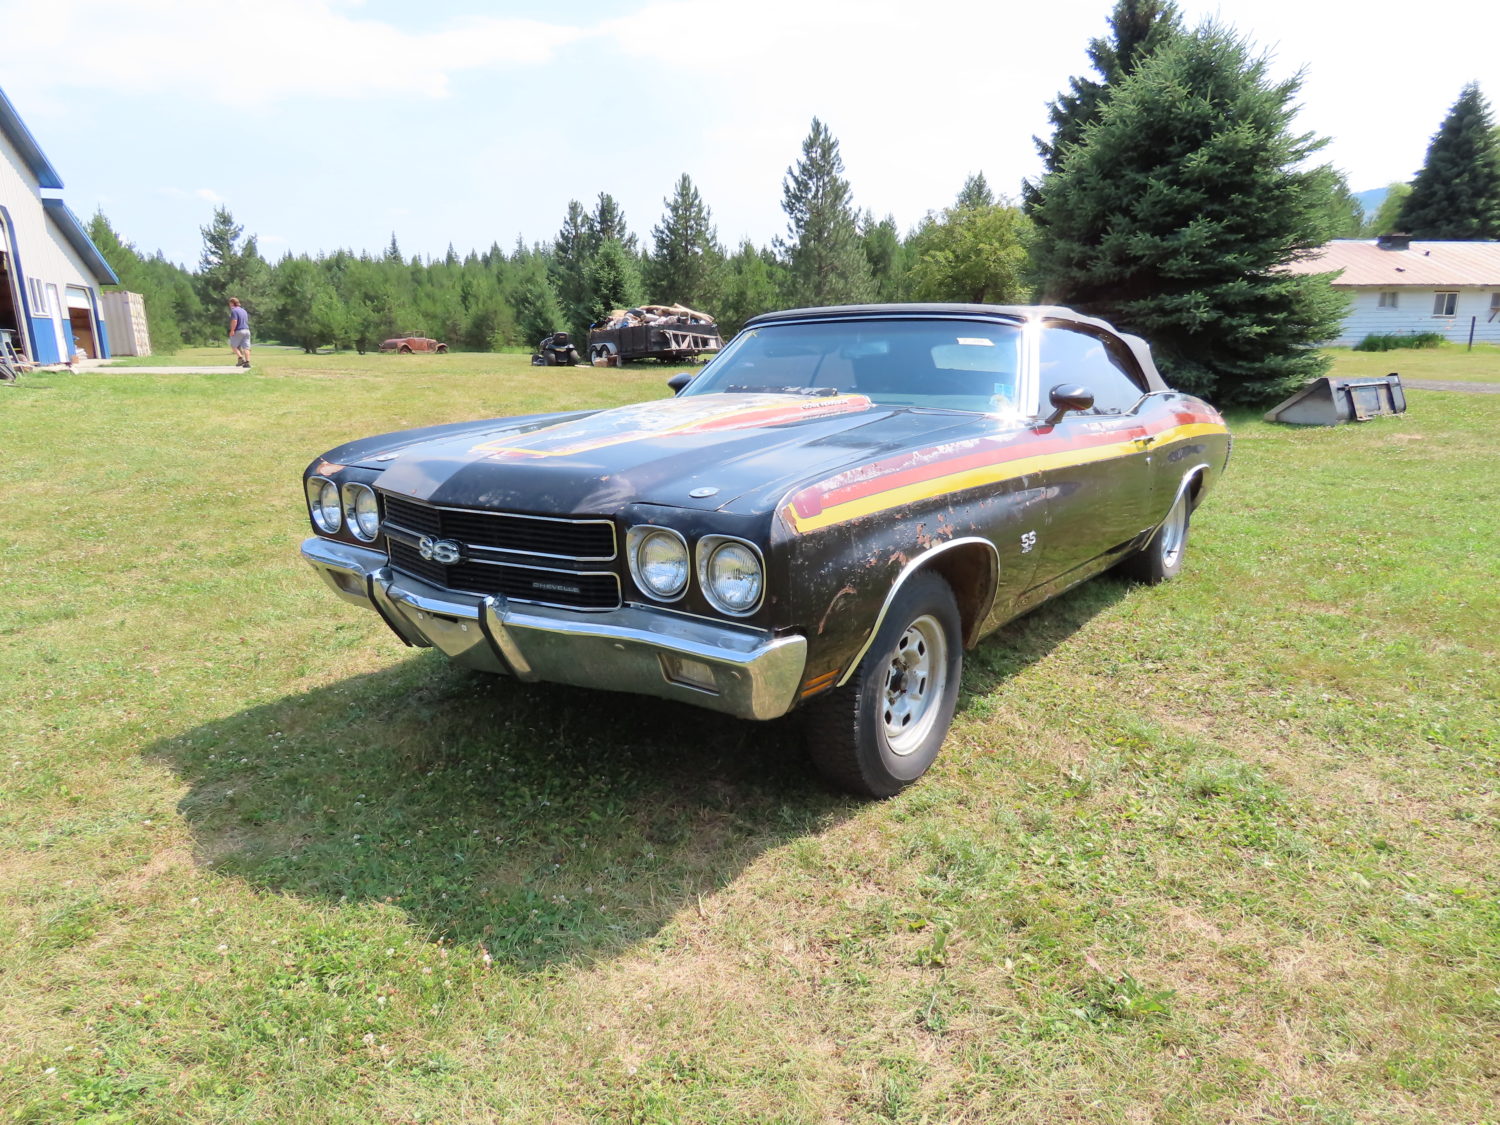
1388,298
39,303
1444,304
1494,305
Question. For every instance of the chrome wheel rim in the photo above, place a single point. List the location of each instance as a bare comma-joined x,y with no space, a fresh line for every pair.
916,674
1174,533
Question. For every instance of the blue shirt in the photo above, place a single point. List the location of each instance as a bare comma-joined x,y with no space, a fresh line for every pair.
239,320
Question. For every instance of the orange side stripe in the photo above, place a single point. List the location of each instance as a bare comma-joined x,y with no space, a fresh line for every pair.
975,478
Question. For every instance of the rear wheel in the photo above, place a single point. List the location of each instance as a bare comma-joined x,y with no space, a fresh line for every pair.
1161,558
879,732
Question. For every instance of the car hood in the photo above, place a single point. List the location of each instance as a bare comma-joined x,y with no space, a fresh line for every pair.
701,451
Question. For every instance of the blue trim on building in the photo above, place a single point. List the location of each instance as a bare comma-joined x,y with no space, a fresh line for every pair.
23,313
79,239
16,132
101,331
44,332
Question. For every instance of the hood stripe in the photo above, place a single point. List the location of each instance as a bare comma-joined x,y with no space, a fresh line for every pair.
841,499
655,419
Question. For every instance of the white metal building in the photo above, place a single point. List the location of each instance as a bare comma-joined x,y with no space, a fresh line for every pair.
1403,288
50,271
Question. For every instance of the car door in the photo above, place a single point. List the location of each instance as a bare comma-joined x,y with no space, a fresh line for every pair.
1097,474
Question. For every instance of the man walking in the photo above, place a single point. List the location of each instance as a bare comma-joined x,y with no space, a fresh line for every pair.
239,332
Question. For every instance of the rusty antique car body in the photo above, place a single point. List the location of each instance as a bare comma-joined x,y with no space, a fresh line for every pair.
824,518
406,345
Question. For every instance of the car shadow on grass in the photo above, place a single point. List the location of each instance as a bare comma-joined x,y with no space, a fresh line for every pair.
550,823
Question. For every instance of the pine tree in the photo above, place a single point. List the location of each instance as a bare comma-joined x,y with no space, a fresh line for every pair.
885,255
976,193
609,223
145,276
538,311
1456,195
824,256
613,280
686,257
1175,215
228,268
1138,28
1344,215
754,281
571,253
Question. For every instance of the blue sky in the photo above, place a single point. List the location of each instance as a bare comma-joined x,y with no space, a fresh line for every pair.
334,123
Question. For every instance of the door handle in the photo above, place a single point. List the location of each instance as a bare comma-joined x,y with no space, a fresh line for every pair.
1143,442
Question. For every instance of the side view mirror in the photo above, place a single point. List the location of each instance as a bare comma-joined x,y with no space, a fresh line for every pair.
1066,397
683,378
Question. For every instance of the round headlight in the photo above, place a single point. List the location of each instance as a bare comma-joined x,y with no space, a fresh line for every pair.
323,499
661,562
362,511
732,577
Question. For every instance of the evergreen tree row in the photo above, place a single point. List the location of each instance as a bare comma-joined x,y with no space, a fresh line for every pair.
1174,191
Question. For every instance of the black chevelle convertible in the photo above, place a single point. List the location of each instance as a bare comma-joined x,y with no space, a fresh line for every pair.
824,518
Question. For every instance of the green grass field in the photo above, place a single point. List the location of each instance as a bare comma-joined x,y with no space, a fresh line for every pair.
1226,850
1451,363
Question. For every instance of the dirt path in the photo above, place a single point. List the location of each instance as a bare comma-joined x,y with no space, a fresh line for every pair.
1446,385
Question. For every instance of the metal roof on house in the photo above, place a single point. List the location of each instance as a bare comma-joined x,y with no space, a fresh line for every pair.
79,240
1426,265
24,143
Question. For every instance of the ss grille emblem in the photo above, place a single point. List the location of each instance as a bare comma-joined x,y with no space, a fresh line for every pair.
444,551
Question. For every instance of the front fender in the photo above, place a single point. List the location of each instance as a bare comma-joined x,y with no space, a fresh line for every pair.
843,578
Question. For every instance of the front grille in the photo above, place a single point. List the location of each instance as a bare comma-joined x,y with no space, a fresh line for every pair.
592,540
557,562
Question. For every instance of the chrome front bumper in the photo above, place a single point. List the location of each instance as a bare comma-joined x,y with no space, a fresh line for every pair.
725,668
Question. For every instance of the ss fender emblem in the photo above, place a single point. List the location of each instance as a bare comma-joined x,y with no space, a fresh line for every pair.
444,551
1028,541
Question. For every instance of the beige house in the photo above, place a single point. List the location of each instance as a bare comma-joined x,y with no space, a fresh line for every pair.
1402,288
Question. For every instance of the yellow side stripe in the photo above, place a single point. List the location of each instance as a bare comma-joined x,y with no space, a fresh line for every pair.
989,474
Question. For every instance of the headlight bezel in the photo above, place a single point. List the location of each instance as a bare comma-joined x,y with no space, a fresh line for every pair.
318,505
708,548
350,496
636,538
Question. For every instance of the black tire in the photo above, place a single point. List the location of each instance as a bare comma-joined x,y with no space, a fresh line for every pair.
441,349
403,350
881,731
1160,560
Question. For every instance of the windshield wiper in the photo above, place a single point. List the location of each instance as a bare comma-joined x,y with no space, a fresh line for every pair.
813,392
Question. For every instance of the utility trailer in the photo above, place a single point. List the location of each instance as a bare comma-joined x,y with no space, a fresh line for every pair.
671,333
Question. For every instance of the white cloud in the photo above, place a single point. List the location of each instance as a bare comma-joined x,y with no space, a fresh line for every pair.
268,51
209,194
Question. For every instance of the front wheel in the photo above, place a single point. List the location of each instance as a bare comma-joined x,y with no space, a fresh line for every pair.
879,732
441,349
1161,558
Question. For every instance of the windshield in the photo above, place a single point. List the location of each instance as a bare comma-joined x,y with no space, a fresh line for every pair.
949,364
